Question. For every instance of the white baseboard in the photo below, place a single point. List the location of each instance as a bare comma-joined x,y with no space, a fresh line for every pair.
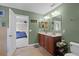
29,45
33,44
10,53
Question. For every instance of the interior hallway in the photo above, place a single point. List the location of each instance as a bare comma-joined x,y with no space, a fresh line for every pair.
31,51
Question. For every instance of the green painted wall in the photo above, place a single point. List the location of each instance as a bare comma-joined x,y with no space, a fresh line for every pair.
70,14
70,21
5,17
32,26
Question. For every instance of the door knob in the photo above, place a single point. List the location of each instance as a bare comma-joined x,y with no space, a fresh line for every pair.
10,35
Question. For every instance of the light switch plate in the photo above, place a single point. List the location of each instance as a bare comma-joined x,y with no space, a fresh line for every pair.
30,30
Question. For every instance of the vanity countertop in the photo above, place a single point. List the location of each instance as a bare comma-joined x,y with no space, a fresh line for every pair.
50,34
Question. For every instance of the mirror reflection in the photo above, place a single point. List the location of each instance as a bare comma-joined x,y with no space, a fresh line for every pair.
57,24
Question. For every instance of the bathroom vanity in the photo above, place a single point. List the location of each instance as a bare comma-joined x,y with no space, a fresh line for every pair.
48,41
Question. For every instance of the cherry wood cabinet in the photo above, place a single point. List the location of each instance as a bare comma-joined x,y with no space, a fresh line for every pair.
48,42
50,45
42,40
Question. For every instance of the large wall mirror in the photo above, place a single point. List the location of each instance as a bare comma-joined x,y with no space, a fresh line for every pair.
57,24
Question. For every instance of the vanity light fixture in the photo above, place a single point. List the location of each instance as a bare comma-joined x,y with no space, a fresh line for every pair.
46,17
56,13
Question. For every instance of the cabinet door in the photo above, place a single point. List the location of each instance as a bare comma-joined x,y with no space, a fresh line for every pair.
39,39
50,45
42,40
46,42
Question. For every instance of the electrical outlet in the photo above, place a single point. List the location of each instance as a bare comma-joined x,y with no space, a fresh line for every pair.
64,31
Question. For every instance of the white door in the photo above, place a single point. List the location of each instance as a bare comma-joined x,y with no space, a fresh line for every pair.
22,25
11,33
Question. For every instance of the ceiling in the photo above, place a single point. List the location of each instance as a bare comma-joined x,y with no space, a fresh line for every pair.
40,8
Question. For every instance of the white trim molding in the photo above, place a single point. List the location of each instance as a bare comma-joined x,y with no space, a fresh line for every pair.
33,44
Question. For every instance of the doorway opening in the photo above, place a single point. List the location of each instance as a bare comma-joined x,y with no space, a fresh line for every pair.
22,31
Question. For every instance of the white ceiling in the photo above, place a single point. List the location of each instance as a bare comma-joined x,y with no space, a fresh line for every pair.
40,8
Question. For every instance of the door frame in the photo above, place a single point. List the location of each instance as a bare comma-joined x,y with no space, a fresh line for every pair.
11,49
19,15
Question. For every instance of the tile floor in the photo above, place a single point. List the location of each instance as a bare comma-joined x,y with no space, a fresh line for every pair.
31,51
